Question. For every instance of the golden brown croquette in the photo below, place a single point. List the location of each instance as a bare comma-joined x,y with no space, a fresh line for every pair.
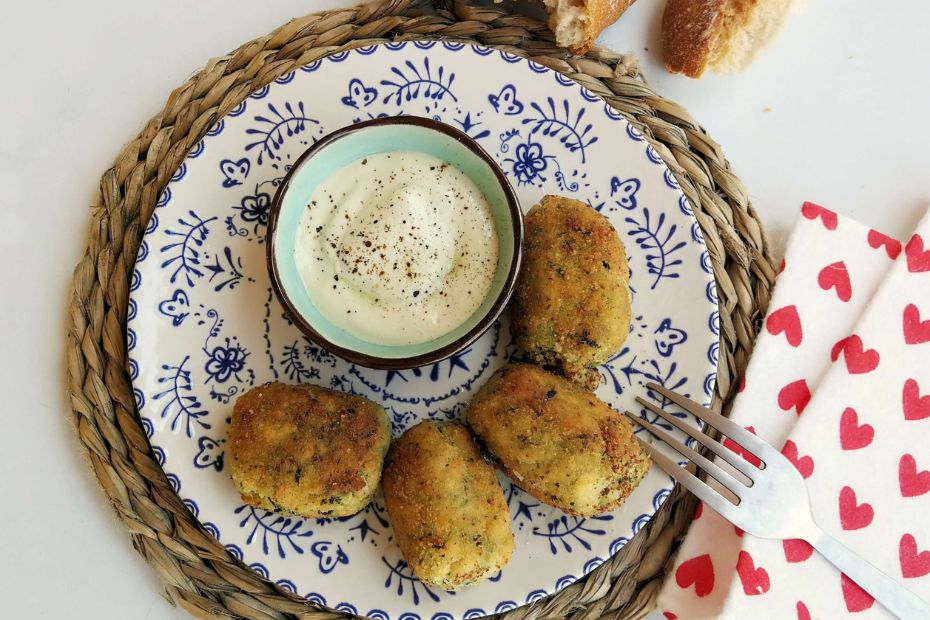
571,307
307,450
557,441
446,506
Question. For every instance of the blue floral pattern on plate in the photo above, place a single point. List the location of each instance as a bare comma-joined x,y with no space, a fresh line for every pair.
205,326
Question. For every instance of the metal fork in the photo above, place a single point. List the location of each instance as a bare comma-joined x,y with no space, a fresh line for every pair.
774,504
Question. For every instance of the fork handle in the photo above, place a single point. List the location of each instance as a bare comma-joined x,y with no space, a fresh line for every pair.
892,595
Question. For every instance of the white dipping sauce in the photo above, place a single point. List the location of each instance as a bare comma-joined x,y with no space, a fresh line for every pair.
397,248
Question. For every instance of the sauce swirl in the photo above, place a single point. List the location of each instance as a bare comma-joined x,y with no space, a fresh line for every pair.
397,248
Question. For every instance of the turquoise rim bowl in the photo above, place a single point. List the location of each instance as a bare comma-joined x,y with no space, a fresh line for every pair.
343,146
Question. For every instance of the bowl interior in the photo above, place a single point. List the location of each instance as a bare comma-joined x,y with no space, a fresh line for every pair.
346,148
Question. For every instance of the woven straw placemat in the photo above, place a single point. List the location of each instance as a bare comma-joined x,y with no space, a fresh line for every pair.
196,570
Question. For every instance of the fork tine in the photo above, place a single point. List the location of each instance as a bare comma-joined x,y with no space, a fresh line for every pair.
727,427
690,481
718,474
742,465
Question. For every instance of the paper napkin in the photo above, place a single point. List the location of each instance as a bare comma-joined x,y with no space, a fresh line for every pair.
831,270
863,445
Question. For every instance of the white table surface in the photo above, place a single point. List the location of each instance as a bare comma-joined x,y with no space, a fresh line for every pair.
834,112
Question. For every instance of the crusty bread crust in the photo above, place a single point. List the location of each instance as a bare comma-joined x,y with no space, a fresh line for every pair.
601,14
689,28
723,36
598,15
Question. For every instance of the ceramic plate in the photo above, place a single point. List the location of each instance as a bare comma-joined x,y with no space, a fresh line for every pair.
204,326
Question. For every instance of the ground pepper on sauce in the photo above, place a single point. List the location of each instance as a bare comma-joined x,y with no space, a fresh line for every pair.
397,248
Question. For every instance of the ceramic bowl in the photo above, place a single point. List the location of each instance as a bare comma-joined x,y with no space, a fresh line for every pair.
346,145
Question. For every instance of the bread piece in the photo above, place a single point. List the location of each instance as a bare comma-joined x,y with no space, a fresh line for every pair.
719,35
577,23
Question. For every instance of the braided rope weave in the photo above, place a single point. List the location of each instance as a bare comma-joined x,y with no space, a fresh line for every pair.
197,572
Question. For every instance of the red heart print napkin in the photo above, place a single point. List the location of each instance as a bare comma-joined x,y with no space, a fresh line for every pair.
831,269
866,433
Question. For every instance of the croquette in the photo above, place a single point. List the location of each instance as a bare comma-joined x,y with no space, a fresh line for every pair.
446,506
307,450
571,307
558,441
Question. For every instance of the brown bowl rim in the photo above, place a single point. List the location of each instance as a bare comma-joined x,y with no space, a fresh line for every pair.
437,355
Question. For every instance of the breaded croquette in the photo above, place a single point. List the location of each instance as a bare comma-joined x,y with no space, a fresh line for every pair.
307,450
571,307
446,506
557,441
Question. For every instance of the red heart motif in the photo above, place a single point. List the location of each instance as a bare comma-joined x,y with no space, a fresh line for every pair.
913,563
669,615
915,330
803,464
698,511
755,580
911,481
803,613
736,530
892,246
781,267
698,572
796,394
742,384
835,275
856,598
796,550
751,458
918,260
854,436
859,360
854,516
916,407
786,320
812,212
